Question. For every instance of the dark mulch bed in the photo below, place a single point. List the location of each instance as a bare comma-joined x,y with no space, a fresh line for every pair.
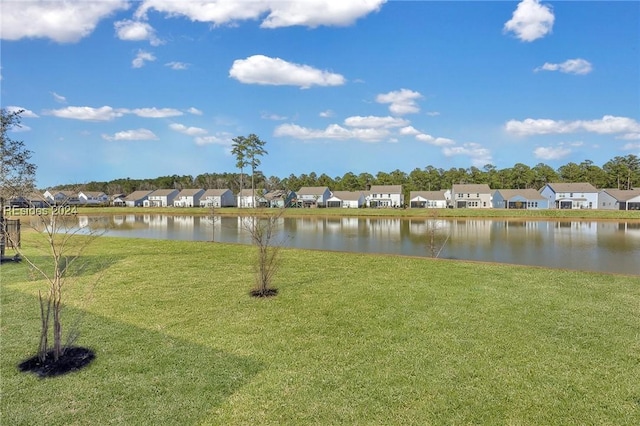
270,292
74,358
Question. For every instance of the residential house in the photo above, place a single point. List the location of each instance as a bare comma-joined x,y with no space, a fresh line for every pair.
385,196
312,196
34,199
161,198
428,199
93,198
619,199
118,199
135,199
218,198
347,199
580,195
188,198
59,198
519,199
249,197
278,198
471,196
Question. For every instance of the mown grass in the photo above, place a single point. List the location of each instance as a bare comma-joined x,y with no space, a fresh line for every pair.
452,213
350,339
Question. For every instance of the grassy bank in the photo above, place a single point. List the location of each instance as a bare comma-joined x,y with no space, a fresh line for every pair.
445,213
350,339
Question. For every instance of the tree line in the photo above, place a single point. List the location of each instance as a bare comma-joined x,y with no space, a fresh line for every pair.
621,172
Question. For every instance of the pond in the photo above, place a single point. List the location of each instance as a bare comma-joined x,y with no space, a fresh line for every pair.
605,246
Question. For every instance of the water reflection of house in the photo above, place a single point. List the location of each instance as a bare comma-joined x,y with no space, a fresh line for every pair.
156,220
183,221
384,228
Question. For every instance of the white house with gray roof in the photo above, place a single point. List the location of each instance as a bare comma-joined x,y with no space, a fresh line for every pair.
346,199
385,196
218,198
188,198
579,195
161,198
429,199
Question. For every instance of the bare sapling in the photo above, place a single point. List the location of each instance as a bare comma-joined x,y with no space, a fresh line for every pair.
263,231
61,240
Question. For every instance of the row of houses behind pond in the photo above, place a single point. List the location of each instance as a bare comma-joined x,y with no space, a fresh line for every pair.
474,196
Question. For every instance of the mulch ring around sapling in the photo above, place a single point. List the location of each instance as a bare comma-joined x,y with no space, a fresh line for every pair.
269,292
74,358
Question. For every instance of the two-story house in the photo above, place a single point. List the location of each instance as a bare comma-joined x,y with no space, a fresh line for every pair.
218,198
312,196
161,198
93,198
385,196
188,198
471,196
579,195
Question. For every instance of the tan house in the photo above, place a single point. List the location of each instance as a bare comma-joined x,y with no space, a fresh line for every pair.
471,196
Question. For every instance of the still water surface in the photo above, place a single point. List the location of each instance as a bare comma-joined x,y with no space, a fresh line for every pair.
606,246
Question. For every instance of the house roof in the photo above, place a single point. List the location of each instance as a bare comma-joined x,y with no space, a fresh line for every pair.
276,194
529,194
93,193
312,190
478,188
623,194
348,195
428,195
214,192
162,192
189,192
572,187
136,195
386,189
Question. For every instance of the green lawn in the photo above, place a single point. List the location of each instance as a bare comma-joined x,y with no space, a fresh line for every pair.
350,339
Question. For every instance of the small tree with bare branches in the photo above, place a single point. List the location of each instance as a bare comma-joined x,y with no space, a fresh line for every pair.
263,230
62,240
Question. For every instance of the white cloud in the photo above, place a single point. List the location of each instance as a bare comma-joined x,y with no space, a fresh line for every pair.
402,101
530,21
608,124
311,13
62,21
26,113
630,136
326,114
131,135
194,111
274,117
178,66
433,113
224,139
631,147
409,130
141,58
551,153
332,132
59,98
191,131
105,113
136,31
156,112
570,66
479,155
375,122
423,137
260,69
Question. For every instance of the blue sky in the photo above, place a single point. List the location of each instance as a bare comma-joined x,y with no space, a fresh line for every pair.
116,89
